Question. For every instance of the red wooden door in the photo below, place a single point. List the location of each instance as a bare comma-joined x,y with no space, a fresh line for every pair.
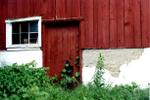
60,43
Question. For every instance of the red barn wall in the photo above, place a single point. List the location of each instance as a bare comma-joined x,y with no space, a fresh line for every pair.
3,14
115,23
106,23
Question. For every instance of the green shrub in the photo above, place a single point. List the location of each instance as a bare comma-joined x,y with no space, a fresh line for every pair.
69,80
17,80
98,79
25,82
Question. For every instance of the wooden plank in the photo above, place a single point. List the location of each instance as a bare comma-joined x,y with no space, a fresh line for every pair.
120,23
99,25
1,19
52,47
19,8
82,27
105,27
77,41
64,20
75,8
72,8
60,9
145,18
95,23
4,12
82,35
26,4
69,42
11,8
88,14
73,48
65,47
59,50
105,23
129,32
34,11
37,10
69,8
48,9
45,45
55,47
113,23
43,37
137,23
77,48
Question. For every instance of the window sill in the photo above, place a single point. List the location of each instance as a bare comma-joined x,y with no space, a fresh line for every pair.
24,48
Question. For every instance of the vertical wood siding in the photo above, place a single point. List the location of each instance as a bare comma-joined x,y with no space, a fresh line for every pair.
3,14
106,24
145,22
1,25
115,23
60,44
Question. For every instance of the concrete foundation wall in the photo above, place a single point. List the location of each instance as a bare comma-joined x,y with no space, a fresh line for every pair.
121,65
113,58
20,57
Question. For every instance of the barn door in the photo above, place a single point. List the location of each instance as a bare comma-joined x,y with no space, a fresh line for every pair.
60,43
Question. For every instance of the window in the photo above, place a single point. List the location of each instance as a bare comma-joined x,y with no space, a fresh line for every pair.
25,32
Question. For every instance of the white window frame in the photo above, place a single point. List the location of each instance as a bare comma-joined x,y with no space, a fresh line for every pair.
9,44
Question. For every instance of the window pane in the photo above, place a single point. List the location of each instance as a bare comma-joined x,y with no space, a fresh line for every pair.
24,27
15,38
24,38
34,26
15,27
33,35
33,40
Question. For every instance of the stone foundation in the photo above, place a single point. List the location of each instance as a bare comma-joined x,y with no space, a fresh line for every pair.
121,65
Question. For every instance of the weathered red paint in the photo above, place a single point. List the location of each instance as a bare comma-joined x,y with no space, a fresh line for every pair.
61,43
105,24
